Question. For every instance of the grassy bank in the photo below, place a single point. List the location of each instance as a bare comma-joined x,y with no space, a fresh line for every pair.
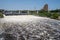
1,15
49,14
53,15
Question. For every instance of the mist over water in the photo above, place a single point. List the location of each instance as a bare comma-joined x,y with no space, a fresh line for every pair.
28,27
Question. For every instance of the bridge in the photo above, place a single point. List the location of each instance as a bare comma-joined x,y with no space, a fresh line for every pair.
20,12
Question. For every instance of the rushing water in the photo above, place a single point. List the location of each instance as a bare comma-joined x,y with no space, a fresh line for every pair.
28,27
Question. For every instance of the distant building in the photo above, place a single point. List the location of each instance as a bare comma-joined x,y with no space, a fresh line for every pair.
45,8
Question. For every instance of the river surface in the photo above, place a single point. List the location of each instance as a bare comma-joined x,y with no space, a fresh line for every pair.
28,27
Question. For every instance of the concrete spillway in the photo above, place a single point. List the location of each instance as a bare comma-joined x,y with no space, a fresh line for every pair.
28,27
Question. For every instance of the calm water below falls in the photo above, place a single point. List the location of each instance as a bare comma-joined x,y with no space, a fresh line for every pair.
28,27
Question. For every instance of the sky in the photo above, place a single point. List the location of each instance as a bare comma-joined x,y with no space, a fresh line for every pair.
28,4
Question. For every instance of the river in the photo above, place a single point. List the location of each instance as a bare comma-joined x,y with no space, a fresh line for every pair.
29,27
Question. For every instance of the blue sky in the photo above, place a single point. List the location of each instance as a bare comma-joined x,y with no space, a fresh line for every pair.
28,4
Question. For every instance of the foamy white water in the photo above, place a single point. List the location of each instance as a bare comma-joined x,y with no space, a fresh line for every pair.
21,18
29,27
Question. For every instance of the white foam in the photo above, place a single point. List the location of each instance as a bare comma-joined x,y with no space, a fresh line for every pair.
21,18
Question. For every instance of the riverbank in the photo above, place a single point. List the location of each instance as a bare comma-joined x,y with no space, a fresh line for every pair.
1,15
